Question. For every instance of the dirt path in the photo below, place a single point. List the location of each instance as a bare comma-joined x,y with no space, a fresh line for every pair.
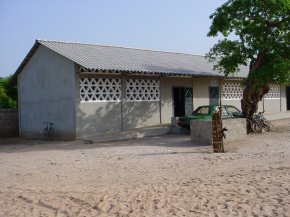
160,176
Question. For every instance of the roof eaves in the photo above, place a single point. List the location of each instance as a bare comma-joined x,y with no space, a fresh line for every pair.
193,74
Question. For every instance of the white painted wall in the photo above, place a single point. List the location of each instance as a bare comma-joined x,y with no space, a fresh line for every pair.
141,114
283,98
47,93
94,118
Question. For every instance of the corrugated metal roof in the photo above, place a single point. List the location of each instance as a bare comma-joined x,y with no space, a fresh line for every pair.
110,58
99,57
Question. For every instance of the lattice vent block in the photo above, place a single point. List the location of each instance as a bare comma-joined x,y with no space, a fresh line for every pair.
232,90
142,90
100,89
274,92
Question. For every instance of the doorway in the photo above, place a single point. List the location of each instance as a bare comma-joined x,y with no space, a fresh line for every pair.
182,101
288,97
214,96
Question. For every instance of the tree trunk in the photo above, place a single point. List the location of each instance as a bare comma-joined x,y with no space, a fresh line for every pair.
250,101
252,93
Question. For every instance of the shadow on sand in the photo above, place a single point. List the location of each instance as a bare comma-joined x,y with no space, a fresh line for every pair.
12,145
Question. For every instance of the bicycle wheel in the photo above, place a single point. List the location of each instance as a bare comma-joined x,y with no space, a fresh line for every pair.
249,125
45,132
50,132
268,125
257,128
271,125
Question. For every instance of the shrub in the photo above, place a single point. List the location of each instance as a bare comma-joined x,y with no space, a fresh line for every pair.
8,95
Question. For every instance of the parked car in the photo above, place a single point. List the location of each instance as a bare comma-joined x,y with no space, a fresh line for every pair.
205,113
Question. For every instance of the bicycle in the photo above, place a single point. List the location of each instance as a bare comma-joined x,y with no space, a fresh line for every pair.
261,124
48,130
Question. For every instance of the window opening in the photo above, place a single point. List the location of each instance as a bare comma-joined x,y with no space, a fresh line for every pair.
100,89
142,90
274,92
232,90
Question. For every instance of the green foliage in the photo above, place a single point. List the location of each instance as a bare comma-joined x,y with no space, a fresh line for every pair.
262,38
8,95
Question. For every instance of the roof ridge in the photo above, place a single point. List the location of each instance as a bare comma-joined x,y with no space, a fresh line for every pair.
122,47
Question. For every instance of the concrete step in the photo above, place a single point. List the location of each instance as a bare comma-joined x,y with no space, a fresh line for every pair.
179,130
131,134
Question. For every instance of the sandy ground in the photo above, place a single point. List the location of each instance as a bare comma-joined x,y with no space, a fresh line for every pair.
160,176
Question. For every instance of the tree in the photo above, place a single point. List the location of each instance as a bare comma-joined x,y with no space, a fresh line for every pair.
8,95
262,39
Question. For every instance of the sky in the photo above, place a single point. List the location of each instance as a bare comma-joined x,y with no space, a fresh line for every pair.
166,25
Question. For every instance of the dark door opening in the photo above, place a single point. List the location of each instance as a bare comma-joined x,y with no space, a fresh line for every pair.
288,97
214,95
182,101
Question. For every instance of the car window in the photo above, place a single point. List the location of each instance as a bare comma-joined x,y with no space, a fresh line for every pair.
224,112
202,111
232,109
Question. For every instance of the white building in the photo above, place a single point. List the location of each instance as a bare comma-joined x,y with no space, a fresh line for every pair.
87,89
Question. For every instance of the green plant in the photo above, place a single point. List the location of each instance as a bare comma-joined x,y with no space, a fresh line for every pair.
261,40
8,95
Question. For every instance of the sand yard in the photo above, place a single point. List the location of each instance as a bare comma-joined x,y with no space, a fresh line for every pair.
159,176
